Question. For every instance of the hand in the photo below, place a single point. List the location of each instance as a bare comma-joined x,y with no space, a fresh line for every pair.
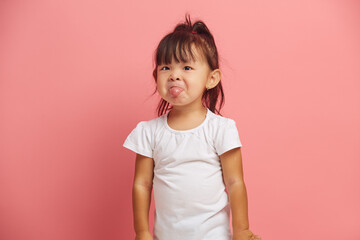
245,235
144,236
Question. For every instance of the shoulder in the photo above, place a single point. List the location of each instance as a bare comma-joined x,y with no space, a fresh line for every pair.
217,121
146,129
151,124
224,133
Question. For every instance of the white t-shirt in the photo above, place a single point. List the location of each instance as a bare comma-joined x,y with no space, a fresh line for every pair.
189,191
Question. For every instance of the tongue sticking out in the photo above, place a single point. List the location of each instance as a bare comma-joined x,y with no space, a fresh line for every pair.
175,91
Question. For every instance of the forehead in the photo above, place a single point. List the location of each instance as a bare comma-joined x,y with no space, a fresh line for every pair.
181,52
198,55
193,57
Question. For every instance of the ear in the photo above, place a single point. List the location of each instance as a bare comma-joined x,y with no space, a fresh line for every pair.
214,78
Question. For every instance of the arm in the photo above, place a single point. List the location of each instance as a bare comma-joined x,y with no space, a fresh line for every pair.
141,195
231,163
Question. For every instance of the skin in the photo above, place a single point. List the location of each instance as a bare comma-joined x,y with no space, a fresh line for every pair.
187,113
141,196
231,163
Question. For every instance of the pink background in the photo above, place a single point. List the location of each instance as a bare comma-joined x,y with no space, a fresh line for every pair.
75,79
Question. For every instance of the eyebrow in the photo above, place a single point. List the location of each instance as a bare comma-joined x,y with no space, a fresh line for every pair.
187,62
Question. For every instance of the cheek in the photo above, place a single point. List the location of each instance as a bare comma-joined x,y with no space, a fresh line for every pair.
160,86
199,84
160,78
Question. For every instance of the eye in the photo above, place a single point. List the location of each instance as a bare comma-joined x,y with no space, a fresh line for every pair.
164,68
187,68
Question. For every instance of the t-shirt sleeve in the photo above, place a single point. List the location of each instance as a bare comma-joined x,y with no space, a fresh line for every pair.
227,137
139,140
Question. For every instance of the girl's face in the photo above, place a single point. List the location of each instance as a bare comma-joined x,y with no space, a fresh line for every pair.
190,78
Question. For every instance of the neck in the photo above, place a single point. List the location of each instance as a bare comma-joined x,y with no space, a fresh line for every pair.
187,111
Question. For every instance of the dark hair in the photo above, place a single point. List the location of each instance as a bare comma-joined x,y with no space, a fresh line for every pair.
177,45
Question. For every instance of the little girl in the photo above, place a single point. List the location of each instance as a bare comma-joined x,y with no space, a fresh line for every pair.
189,155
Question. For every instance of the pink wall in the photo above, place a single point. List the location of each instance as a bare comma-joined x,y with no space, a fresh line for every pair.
75,78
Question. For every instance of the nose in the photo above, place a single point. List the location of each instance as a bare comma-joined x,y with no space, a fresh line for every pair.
174,75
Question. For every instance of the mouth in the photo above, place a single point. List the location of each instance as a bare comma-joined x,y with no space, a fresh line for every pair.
175,91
